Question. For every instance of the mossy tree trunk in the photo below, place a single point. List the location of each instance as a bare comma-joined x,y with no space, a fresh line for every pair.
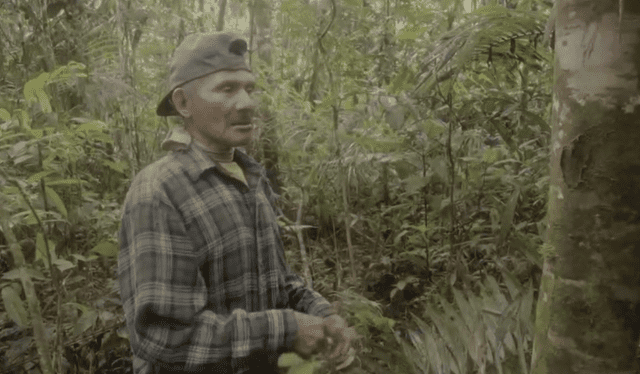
588,310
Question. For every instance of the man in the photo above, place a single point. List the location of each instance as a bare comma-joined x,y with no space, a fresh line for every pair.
203,278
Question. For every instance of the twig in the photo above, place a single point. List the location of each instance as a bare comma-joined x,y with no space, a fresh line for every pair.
303,249
348,227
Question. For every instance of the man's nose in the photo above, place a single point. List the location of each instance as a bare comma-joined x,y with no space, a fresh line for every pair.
245,101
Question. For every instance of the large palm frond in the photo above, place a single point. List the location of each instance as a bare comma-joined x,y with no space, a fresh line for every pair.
494,31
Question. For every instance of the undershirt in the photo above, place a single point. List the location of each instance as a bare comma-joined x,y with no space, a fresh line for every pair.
234,170
231,168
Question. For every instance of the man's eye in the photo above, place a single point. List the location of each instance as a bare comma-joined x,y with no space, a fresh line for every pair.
227,89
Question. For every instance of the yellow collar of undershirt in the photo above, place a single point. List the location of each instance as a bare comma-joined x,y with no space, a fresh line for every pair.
230,167
234,170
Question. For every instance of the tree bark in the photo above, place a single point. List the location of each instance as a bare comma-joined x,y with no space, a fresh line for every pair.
588,309
201,16
265,148
223,9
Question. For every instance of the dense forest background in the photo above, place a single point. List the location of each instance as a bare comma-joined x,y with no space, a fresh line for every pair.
409,141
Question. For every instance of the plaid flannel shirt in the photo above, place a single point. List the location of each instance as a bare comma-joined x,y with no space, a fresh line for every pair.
203,278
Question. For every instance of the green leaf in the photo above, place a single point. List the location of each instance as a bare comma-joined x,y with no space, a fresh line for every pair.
498,296
410,33
82,258
353,3
433,350
439,167
468,313
11,274
18,147
36,133
432,127
32,87
395,116
442,324
289,359
35,274
82,308
38,176
526,307
452,278
63,264
92,126
467,50
41,250
507,216
85,322
513,286
15,274
415,183
23,116
54,8
536,119
521,242
403,282
43,98
29,91
22,159
14,306
376,145
65,182
101,137
105,316
57,201
490,155
116,166
4,115
390,323
451,329
106,249
123,333
308,367
400,81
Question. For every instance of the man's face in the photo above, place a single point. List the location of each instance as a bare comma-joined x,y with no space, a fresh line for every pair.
222,109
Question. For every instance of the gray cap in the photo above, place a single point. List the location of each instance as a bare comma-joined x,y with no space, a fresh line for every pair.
199,55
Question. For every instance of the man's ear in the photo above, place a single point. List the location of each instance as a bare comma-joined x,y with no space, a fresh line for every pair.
180,101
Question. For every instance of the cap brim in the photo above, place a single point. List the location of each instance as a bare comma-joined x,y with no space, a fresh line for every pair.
165,108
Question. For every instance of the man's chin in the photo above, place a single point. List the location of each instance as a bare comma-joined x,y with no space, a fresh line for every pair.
241,142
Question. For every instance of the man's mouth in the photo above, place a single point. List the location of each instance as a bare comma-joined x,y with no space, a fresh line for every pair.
243,125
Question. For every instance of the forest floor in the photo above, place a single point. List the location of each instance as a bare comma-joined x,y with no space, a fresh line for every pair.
103,347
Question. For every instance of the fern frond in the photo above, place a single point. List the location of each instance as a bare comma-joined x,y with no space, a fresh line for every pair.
102,48
482,32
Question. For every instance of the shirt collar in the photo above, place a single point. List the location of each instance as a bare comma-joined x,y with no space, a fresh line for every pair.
179,140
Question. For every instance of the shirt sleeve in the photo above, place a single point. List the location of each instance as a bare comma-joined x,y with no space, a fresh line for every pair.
164,295
295,293
304,300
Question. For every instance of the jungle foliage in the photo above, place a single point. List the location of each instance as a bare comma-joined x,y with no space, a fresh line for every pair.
409,142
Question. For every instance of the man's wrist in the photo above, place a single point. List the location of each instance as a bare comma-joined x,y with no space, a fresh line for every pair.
325,312
291,328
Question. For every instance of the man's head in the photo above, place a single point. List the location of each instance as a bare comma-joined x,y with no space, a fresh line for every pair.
210,87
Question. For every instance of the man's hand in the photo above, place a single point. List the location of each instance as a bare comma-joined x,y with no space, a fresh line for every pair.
339,338
311,335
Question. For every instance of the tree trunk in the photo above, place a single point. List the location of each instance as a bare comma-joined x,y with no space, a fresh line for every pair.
588,309
260,39
200,19
223,9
